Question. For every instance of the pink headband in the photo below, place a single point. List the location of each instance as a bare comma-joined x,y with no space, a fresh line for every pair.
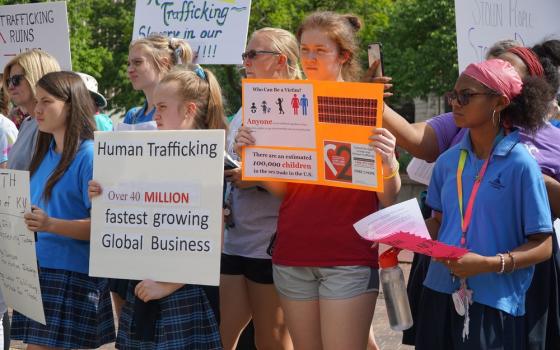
497,75
531,60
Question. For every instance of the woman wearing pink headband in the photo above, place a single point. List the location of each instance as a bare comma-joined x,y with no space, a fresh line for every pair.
489,197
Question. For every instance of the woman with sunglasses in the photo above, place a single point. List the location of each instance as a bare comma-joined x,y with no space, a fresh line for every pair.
20,77
428,140
246,286
489,197
326,275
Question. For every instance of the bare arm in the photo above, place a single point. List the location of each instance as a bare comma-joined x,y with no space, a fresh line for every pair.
553,189
3,165
419,139
38,220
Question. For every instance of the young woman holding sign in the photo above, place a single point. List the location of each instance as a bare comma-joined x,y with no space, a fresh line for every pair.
246,286
477,301
159,315
149,59
325,273
77,307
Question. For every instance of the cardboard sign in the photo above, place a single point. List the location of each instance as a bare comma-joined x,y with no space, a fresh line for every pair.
160,212
312,132
35,26
216,30
19,278
482,23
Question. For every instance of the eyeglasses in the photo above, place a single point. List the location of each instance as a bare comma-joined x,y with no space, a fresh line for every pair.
251,54
14,80
464,98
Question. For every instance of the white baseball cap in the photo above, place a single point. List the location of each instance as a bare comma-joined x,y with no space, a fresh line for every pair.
91,85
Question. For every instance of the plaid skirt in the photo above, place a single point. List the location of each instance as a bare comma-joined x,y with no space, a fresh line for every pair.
77,310
185,321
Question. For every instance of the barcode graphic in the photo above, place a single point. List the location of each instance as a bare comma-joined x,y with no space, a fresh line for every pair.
343,110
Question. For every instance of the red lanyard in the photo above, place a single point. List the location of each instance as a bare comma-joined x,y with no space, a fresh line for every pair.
466,219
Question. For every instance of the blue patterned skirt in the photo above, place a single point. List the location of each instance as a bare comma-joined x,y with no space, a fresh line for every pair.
77,310
185,321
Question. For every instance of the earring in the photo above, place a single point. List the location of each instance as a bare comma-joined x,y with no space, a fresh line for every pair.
499,118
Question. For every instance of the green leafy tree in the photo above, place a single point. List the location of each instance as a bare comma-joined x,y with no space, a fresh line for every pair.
420,47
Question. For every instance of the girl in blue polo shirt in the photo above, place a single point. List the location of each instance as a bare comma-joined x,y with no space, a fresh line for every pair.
77,307
489,197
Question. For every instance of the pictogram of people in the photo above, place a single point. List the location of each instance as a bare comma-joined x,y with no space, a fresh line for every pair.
303,102
295,104
279,103
265,107
253,108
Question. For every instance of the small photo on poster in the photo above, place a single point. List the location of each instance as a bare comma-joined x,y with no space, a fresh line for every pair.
338,161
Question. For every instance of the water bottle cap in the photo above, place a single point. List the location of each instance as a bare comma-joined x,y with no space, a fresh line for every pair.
389,258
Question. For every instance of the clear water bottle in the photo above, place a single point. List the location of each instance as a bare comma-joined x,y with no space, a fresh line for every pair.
394,290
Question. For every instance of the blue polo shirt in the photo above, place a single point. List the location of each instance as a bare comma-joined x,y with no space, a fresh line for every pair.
555,122
138,115
69,201
511,204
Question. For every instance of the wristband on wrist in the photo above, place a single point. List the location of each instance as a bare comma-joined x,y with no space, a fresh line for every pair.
393,174
502,262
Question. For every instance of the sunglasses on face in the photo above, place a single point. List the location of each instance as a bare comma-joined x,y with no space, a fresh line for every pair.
464,98
251,54
14,80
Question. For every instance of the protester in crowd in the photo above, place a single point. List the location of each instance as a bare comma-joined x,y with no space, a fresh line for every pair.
504,241
8,135
77,307
4,100
149,59
246,285
159,315
325,273
102,121
428,140
20,76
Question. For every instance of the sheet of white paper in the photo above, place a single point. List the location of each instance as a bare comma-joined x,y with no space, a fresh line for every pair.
557,229
146,126
405,216
420,171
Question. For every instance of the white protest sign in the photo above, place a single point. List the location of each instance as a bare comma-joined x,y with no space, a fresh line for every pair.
160,212
35,26
482,23
19,280
216,30
420,171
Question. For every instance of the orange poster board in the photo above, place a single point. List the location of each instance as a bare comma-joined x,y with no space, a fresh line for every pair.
312,132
